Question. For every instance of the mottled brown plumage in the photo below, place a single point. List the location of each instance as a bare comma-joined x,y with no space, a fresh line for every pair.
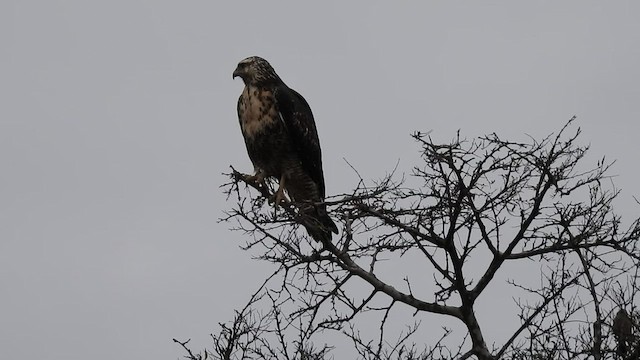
282,142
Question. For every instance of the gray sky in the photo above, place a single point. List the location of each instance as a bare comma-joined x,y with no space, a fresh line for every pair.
117,119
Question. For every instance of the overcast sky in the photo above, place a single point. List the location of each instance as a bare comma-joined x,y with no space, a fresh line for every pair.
117,119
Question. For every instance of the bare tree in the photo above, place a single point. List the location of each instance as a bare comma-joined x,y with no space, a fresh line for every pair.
474,215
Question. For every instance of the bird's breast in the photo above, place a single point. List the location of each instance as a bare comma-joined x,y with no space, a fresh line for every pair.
257,111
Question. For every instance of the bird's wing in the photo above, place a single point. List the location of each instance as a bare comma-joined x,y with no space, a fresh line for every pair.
297,116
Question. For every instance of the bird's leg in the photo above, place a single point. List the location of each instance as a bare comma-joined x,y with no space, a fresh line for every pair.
279,197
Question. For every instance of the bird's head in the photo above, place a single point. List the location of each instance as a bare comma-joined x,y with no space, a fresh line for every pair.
255,70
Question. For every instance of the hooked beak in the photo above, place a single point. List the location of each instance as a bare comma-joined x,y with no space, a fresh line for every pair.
237,72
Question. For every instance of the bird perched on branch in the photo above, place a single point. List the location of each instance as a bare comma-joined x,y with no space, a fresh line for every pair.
622,329
282,142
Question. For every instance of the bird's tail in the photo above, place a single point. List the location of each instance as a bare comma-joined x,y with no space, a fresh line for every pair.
622,347
318,223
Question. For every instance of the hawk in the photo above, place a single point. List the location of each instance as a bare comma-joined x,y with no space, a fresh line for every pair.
622,329
282,142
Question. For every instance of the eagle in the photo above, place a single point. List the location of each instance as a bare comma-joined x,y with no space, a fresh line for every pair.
282,142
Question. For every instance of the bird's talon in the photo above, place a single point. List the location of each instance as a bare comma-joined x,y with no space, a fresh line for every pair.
278,198
257,179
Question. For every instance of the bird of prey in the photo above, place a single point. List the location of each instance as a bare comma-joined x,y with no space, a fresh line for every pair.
622,329
282,142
